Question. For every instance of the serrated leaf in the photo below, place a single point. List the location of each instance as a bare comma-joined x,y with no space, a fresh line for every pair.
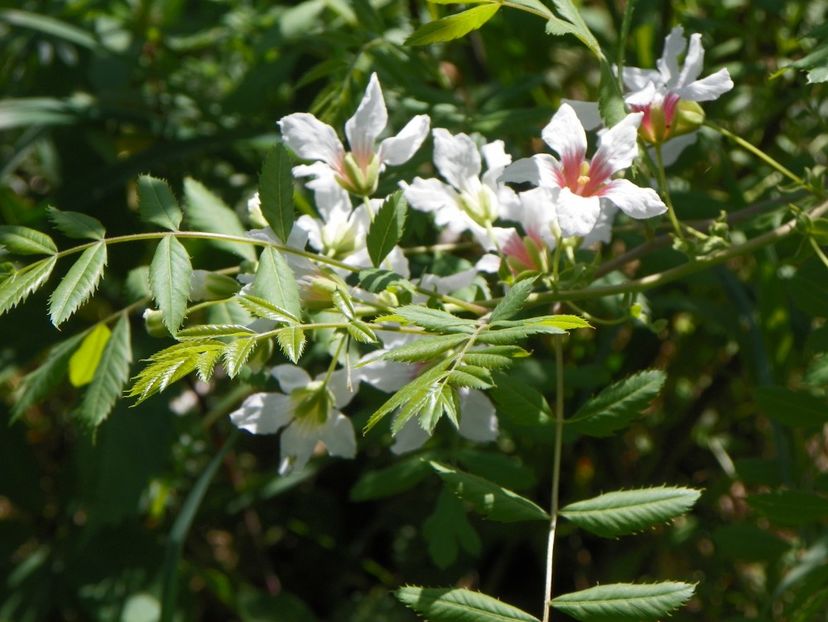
426,403
513,301
617,405
459,605
207,212
435,320
793,408
790,507
236,355
508,336
536,7
376,280
507,471
458,378
170,365
447,530
624,512
25,241
492,501
40,382
391,480
519,403
16,288
453,26
85,360
636,602
261,308
610,100
111,376
425,348
568,10
157,203
77,225
276,283
276,191
214,330
170,276
361,332
206,363
79,284
387,227
292,341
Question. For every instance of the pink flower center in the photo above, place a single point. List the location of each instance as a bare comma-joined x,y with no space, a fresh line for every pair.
583,178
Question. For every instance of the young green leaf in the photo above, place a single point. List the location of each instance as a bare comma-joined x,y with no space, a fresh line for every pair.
387,228
361,331
79,284
111,376
85,360
793,408
508,336
207,212
513,301
214,330
16,288
157,204
617,602
276,283
276,191
435,320
259,307
447,530
453,26
617,405
624,512
77,225
172,364
459,605
568,10
492,501
292,340
24,241
169,276
425,348
42,381
236,354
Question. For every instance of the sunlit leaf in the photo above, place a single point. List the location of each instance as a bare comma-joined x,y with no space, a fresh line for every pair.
169,277
157,203
16,288
207,212
459,605
79,284
276,283
85,360
276,191
387,228
453,26
635,602
25,241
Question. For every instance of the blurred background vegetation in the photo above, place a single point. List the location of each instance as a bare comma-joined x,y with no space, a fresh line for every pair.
96,92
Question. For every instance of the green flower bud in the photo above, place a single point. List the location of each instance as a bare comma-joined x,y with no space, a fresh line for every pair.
358,180
154,323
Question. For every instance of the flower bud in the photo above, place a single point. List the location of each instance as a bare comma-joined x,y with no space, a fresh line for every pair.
358,180
689,117
154,323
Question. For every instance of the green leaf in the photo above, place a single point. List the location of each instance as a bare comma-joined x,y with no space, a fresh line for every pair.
459,605
214,330
508,336
790,507
17,287
207,212
172,364
236,354
425,348
568,10
610,101
793,408
376,280
624,512
111,376
519,403
292,340
387,228
276,191
636,602
507,471
42,381
259,307
390,481
170,276
434,320
536,7
492,501
157,203
276,283
447,530
361,331
617,405
513,301
84,362
564,322
26,241
453,26
79,284
77,225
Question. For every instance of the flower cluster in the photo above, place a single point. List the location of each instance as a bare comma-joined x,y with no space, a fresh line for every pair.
574,199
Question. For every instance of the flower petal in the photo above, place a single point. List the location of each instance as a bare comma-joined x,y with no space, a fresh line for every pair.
429,195
540,170
671,150
312,229
338,436
456,157
290,377
587,112
400,148
668,66
693,62
617,148
490,262
296,445
367,123
636,78
566,136
495,156
263,413
343,391
386,375
633,200
478,421
709,88
410,437
577,215
602,231
311,139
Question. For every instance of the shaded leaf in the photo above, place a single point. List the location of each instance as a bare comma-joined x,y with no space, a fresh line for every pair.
793,408
387,227
77,225
170,277
447,530
207,212
624,601
25,241
790,507
157,203
391,480
513,301
459,605
16,288
276,191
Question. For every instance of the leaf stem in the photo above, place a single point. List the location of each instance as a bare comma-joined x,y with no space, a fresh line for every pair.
665,191
556,477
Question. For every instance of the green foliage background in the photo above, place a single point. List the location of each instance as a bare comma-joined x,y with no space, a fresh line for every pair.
96,93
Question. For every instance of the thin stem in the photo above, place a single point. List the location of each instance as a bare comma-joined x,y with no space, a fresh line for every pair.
665,191
439,248
760,154
556,477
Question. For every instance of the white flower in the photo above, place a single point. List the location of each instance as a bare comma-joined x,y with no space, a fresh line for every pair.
468,201
587,186
308,410
477,418
357,171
